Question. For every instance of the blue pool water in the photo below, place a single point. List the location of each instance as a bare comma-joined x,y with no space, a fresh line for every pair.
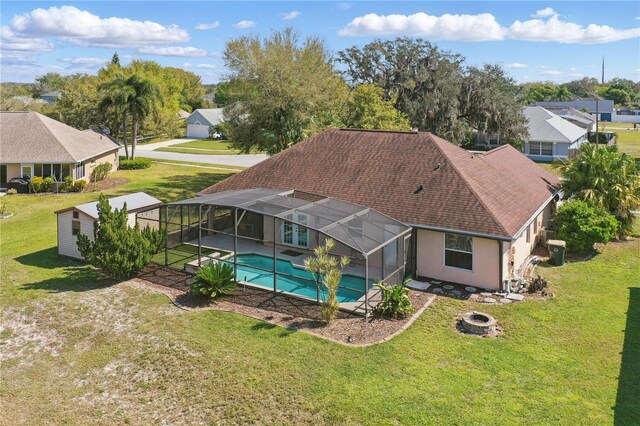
257,269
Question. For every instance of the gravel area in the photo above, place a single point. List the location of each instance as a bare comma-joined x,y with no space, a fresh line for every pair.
279,309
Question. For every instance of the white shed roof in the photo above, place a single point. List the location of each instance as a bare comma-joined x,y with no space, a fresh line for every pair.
545,126
136,201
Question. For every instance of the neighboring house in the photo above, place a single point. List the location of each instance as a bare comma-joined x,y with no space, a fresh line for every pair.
626,115
32,144
473,218
199,123
550,136
51,97
604,107
183,114
574,116
80,219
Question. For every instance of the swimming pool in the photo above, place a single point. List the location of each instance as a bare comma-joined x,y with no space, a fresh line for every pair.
258,270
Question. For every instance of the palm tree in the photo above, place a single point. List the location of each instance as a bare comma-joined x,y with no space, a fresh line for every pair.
606,178
114,102
563,94
141,103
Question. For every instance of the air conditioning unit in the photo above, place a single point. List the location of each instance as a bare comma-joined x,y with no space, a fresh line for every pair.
546,234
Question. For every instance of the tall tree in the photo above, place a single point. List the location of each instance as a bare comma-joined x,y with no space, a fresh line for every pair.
424,80
289,87
563,93
114,104
115,59
141,102
489,103
367,109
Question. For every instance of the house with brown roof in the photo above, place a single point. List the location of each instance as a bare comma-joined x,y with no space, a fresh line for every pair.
32,144
474,217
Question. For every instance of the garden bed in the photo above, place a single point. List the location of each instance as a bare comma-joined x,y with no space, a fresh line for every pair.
282,310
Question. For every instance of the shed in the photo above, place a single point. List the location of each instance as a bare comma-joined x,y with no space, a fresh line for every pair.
80,219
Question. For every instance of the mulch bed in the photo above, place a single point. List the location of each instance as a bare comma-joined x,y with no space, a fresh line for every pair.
280,309
106,184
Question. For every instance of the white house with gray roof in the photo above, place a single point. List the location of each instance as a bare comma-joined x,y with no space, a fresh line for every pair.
199,123
550,136
80,219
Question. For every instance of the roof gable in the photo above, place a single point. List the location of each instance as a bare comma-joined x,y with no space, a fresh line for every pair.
545,126
211,116
491,194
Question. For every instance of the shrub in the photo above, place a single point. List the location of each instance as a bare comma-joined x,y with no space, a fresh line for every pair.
36,184
213,280
117,250
395,301
137,164
78,186
100,172
67,185
12,191
47,184
537,284
582,225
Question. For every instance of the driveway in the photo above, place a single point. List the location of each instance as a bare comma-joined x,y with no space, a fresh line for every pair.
244,160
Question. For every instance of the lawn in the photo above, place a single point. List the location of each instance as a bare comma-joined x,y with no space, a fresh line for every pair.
75,349
628,140
203,147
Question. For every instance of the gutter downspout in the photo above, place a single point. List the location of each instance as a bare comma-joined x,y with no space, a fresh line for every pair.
500,262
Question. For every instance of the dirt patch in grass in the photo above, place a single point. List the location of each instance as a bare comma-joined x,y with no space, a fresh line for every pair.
282,310
106,184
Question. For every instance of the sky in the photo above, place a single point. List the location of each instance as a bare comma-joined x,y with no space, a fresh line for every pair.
554,41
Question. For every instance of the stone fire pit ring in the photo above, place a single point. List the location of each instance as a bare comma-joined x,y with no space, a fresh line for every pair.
478,323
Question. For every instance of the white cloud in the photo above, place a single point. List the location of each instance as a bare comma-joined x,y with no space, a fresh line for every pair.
85,62
553,29
480,27
10,41
551,72
344,5
173,51
484,27
544,13
291,15
201,66
210,26
86,29
573,69
242,25
517,65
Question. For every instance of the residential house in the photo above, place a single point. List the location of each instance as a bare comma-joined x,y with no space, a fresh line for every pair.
80,219
574,116
32,144
201,122
451,215
51,97
603,107
550,136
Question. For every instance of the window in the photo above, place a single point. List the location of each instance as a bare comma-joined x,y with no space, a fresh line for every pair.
528,234
535,226
541,148
294,234
76,215
494,140
458,251
80,170
75,227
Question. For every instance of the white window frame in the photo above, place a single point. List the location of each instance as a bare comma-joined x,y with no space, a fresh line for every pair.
445,249
26,165
539,150
296,231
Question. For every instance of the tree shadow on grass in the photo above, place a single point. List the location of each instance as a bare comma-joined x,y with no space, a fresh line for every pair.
627,408
48,259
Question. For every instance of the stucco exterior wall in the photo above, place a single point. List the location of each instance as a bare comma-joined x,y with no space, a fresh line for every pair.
430,261
13,170
90,164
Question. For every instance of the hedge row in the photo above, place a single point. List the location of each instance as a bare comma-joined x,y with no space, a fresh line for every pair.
138,163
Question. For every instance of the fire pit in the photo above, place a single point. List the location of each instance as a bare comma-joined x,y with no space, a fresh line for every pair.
479,323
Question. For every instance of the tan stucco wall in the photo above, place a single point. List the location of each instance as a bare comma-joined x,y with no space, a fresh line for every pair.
430,261
90,164
13,170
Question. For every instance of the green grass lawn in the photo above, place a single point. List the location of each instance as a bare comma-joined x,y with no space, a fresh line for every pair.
628,140
77,350
202,147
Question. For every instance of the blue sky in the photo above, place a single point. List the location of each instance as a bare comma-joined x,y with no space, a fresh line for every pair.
551,40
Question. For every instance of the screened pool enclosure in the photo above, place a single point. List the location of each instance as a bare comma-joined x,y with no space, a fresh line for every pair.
266,234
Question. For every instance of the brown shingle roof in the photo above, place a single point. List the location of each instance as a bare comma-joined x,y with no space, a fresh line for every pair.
494,193
33,137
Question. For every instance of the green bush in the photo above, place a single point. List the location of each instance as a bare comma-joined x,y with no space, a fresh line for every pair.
100,172
117,250
582,225
395,301
213,280
67,185
137,164
78,186
47,184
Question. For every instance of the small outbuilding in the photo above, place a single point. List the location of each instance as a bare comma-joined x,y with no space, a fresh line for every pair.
80,219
